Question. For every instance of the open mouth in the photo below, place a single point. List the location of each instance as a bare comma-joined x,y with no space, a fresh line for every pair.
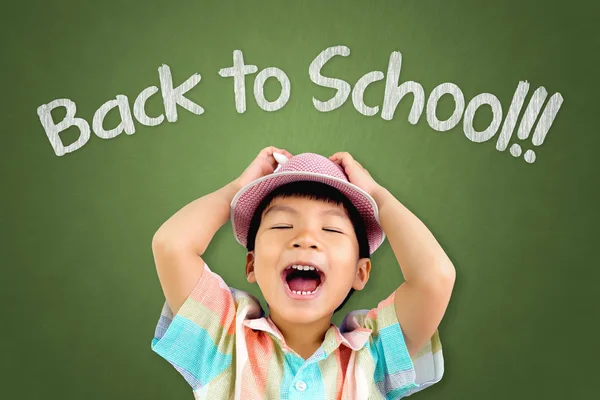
303,279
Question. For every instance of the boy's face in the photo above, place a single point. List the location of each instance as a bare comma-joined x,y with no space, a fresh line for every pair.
318,236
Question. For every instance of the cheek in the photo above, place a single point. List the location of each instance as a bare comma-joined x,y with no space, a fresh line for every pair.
267,252
266,238
344,246
273,240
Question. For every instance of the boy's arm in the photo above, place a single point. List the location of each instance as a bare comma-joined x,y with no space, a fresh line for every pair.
429,275
180,242
421,301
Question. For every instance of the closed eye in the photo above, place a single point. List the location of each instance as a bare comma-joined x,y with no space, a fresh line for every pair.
332,230
281,227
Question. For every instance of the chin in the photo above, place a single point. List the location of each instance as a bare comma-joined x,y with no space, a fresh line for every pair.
299,315
302,309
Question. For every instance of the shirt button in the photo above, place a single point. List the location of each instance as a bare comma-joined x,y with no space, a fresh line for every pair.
301,386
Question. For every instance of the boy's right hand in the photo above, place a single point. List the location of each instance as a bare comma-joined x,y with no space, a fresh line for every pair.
262,165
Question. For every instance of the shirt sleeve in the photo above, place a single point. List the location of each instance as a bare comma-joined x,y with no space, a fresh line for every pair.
395,373
199,341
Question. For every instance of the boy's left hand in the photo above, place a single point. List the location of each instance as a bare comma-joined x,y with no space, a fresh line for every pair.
357,174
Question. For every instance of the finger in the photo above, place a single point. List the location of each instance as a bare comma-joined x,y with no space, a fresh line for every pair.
337,155
272,149
268,151
346,156
346,159
341,157
335,159
266,154
281,152
271,168
272,162
284,152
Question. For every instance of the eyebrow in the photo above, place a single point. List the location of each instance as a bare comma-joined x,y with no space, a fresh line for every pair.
280,208
329,211
334,211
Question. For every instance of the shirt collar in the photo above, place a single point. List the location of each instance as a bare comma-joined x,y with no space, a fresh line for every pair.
354,339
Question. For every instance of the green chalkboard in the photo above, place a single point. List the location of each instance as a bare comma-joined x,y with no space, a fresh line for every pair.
81,297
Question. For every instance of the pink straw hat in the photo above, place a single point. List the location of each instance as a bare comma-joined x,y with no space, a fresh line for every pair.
304,167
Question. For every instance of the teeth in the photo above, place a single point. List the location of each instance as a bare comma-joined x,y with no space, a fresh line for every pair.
303,292
302,267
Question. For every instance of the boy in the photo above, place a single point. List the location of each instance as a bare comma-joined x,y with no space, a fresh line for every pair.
310,227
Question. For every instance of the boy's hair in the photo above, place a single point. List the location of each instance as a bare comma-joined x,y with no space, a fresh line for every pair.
314,191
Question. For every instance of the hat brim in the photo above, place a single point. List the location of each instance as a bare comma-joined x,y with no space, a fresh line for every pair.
246,201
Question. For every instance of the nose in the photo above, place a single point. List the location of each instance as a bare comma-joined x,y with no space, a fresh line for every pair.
306,239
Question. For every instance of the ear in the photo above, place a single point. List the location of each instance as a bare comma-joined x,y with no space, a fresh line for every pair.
363,269
250,267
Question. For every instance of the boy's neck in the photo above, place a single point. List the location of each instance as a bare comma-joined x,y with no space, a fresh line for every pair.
304,339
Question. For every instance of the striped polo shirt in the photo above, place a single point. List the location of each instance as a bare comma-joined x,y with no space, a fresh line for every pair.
225,348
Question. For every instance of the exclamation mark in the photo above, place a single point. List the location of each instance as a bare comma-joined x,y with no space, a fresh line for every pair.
544,124
512,116
529,118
